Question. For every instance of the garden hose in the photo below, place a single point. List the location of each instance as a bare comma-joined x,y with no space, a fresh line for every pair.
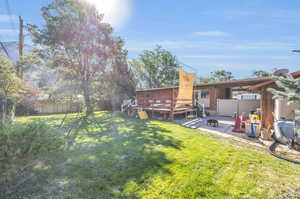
272,148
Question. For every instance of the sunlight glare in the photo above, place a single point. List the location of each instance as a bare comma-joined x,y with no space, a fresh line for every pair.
116,12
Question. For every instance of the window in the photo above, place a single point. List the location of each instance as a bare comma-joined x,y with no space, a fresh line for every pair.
204,94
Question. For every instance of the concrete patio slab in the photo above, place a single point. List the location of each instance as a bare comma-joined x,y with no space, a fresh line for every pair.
225,130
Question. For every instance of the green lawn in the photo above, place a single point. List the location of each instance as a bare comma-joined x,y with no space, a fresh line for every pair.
118,157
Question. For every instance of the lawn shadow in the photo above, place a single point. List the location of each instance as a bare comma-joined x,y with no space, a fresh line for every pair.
110,157
116,151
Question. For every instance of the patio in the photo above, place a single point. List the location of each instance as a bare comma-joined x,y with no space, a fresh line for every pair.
224,129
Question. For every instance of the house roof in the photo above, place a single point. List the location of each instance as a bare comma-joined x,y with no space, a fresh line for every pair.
229,83
235,83
270,82
156,89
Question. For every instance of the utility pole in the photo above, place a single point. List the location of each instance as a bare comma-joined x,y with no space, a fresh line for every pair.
21,45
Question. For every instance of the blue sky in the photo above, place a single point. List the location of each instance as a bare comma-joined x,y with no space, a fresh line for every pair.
235,35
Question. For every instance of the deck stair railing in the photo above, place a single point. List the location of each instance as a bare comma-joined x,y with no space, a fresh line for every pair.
164,103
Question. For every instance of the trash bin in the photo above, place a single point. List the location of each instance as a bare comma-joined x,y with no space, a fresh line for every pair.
252,129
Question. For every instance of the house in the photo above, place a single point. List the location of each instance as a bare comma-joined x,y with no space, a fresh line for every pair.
216,96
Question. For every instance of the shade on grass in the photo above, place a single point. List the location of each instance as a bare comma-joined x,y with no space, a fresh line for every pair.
118,157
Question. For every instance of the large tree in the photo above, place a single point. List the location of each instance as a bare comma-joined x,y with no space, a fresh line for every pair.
155,68
77,41
221,75
122,82
289,88
204,80
261,73
119,82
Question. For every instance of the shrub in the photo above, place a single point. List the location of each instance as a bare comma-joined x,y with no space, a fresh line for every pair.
27,105
22,144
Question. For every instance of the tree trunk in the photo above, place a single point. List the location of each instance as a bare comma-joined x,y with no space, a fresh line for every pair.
116,101
7,110
87,98
3,111
11,112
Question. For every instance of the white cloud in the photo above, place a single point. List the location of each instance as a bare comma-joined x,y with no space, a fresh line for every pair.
218,56
212,34
136,49
265,46
8,31
7,18
212,45
283,16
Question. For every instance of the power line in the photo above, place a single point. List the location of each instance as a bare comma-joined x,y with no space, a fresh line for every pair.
4,48
188,66
21,46
12,26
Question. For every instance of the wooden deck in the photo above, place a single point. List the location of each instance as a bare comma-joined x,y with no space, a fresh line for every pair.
168,113
161,101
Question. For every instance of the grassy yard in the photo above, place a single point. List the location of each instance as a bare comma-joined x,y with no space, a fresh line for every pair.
117,157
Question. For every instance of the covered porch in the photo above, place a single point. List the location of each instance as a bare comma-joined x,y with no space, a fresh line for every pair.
228,97
272,109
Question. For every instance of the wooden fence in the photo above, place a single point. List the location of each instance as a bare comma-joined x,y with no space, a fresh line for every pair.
228,107
57,107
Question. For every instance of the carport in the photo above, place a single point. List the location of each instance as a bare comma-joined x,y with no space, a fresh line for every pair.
268,104
218,97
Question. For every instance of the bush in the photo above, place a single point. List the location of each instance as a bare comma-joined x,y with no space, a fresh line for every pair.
27,106
22,144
